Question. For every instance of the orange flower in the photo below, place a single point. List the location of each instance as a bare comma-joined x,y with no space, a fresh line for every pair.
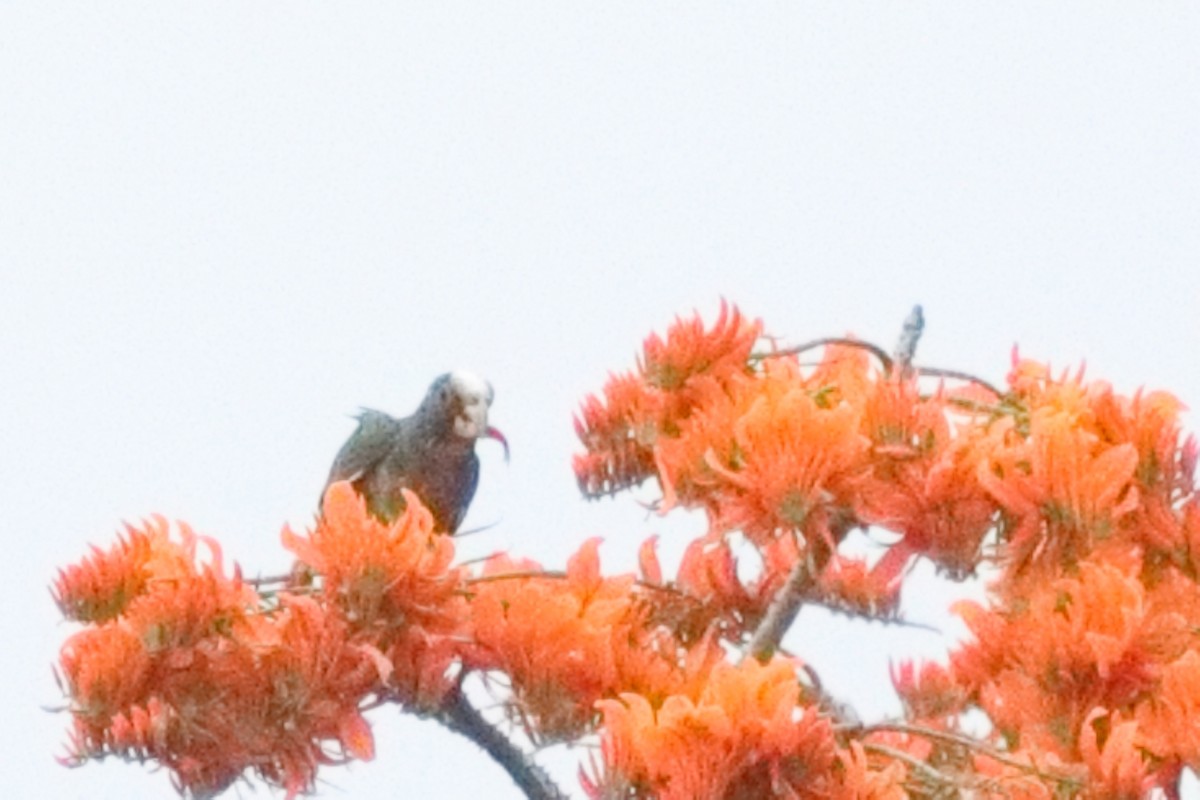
1104,465
843,376
745,735
656,663
104,583
692,607
708,573
106,670
565,643
691,350
685,460
769,450
794,456
382,575
1118,769
396,585
932,694
620,432
849,583
1169,722
556,639
1034,386
861,782
1149,421
190,608
1062,486
315,680
900,422
276,702
930,493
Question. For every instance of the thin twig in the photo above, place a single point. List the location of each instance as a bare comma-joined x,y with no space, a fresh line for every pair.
963,741
550,574
885,360
256,582
855,613
560,575
917,764
481,559
980,408
874,350
475,530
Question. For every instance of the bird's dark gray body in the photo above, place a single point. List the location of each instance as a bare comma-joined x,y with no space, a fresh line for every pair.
431,452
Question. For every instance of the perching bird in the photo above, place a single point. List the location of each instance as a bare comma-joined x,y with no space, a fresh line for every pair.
431,452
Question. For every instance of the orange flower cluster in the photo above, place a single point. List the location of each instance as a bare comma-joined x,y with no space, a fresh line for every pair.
744,734
565,643
1092,652
792,459
1081,464
182,664
1099,647
394,584
1088,656
103,585
621,431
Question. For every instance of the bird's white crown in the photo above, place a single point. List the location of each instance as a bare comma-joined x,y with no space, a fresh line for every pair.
470,386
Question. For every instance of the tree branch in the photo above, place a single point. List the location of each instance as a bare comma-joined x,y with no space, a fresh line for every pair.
906,347
457,714
781,613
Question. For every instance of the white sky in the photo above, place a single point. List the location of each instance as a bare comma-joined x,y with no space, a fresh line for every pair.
225,226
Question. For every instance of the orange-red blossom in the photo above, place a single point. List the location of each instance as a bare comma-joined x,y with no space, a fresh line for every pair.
744,733
187,666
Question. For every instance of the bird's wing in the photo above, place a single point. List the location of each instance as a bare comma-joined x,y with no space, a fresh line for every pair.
365,448
466,491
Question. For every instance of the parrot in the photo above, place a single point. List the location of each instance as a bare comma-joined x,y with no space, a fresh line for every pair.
430,452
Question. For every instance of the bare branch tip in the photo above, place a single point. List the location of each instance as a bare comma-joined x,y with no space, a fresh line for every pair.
910,337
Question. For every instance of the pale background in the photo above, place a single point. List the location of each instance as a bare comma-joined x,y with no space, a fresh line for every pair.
224,226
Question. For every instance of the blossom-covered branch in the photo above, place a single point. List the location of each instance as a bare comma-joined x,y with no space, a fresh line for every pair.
1085,659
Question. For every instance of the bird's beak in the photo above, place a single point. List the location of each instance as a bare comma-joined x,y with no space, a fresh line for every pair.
494,433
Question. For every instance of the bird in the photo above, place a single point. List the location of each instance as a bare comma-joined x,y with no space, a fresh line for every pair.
430,452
